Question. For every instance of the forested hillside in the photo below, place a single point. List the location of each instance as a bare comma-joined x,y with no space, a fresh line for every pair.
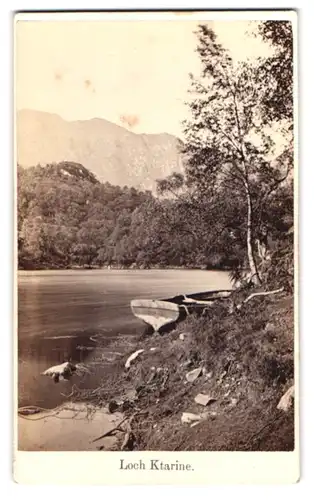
67,218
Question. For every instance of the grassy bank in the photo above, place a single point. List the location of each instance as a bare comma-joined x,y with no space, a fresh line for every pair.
247,363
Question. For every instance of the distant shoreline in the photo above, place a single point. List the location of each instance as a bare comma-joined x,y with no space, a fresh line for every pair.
170,268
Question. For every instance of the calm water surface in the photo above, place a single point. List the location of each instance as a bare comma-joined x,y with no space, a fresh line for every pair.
60,312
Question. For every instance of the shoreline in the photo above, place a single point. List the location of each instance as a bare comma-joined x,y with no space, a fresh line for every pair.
130,268
162,405
240,363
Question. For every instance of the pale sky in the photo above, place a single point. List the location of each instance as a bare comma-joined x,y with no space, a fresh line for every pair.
133,73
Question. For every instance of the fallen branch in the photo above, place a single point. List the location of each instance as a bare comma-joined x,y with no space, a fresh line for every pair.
259,294
108,433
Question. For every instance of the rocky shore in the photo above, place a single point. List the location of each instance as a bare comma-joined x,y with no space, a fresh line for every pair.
213,383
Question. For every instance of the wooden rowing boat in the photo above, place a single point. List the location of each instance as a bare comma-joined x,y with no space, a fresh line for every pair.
159,313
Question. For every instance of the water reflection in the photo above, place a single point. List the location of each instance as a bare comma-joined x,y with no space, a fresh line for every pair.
60,313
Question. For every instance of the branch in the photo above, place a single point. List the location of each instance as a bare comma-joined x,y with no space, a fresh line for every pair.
108,433
259,294
231,141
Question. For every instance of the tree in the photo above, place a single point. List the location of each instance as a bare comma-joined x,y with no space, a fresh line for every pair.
228,149
278,103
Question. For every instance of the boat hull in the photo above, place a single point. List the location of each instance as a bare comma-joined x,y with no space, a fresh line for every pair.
160,313
157,313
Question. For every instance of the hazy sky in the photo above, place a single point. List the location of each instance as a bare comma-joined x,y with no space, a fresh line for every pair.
134,73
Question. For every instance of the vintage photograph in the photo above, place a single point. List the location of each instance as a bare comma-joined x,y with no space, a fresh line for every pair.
155,228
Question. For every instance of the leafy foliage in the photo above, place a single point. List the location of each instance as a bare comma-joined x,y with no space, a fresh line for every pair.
66,218
235,169
278,103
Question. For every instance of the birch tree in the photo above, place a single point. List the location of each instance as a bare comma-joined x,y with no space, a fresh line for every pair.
227,143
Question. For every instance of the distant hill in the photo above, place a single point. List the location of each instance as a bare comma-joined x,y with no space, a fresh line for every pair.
111,152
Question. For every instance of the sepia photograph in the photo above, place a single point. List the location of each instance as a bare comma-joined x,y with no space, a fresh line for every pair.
156,238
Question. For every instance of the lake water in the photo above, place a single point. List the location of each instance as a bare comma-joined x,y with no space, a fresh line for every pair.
61,312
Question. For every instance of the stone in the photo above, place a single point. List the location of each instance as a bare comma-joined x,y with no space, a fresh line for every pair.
189,418
112,406
182,336
193,374
285,402
270,327
132,358
204,399
63,371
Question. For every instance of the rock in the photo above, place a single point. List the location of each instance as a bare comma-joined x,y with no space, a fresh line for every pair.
286,401
270,327
65,371
132,358
204,399
112,406
182,336
194,418
209,375
153,349
189,418
233,402
193,374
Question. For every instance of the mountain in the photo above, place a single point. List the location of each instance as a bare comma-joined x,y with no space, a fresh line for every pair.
111,152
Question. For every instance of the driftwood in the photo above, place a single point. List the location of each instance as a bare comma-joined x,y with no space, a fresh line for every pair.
259,294
111,431
132,358
118,428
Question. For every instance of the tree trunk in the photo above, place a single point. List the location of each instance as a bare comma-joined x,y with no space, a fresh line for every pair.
250,252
